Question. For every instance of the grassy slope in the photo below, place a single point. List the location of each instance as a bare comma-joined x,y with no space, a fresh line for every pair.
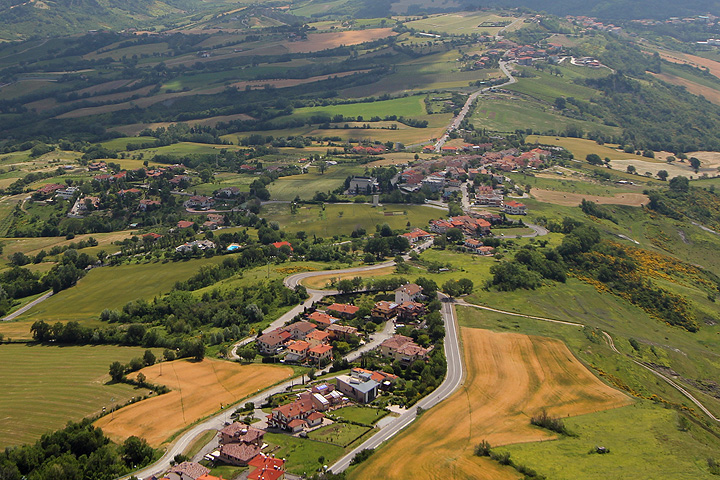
101,288
326,223
286,188
45,386
637,435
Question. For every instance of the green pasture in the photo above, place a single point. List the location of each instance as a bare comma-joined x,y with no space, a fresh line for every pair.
510,114
223,180
128,52
342,219
119,144
545,87
184,148
45,386
364,415
581,147
637,436
460,23
301,454
411,106
113,287
579,184
306,185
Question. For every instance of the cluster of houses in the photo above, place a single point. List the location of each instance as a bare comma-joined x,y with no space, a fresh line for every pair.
592,23
308,341
308,410
189,247
527,54
263,467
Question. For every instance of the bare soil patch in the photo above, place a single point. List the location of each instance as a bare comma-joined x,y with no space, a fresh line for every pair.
574,199
198,390
510,377
322,41
694,60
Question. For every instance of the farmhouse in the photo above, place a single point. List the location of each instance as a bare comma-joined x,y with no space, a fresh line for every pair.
199,201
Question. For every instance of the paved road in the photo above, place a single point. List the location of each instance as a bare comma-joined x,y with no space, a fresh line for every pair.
27,307
453,380
466,108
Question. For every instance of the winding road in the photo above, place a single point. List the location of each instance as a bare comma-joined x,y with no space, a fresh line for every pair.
455,124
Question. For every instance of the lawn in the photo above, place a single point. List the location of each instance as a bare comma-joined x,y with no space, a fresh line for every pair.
342,434
306,185
342,219
509,378
302,455
322,281
462,23
107,287
45,386
364,415
198,390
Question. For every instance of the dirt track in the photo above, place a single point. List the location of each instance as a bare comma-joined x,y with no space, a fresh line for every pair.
510,378
573,199
198,389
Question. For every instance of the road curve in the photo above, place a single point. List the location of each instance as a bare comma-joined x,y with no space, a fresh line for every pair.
453,380
27,307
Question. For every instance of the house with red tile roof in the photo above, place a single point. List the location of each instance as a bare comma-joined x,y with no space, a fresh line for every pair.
322,319
409,292
185,470
199,201
343,310
384,309
317,337
410,311
147,204
238,453
342,332
296,351
515,208
49,189
300,330
238,432
319,354
282,416
417,235
403,349
185,224
282,244
266,468
273,342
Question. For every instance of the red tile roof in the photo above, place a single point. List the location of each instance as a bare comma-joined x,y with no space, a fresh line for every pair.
185,224
344,308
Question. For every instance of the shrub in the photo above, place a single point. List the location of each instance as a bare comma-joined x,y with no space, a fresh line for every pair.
554,424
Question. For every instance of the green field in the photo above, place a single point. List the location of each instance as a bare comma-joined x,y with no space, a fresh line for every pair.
461,24
45,386
110,287
364,415
342,219
411,106
545,87
302,455
306,185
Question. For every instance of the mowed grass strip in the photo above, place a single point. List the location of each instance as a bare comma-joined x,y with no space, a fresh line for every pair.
45,386
510,377
198,390
306,185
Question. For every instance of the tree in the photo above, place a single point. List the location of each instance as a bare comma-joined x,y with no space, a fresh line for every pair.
117,371
149,358
345,286
662,175
631,169
247,354
136,451
40,331
455,209
452,288
695,164
465,285
594,159
560,103
679,184
454,235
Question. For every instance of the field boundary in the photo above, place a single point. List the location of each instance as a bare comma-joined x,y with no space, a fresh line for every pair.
611,343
